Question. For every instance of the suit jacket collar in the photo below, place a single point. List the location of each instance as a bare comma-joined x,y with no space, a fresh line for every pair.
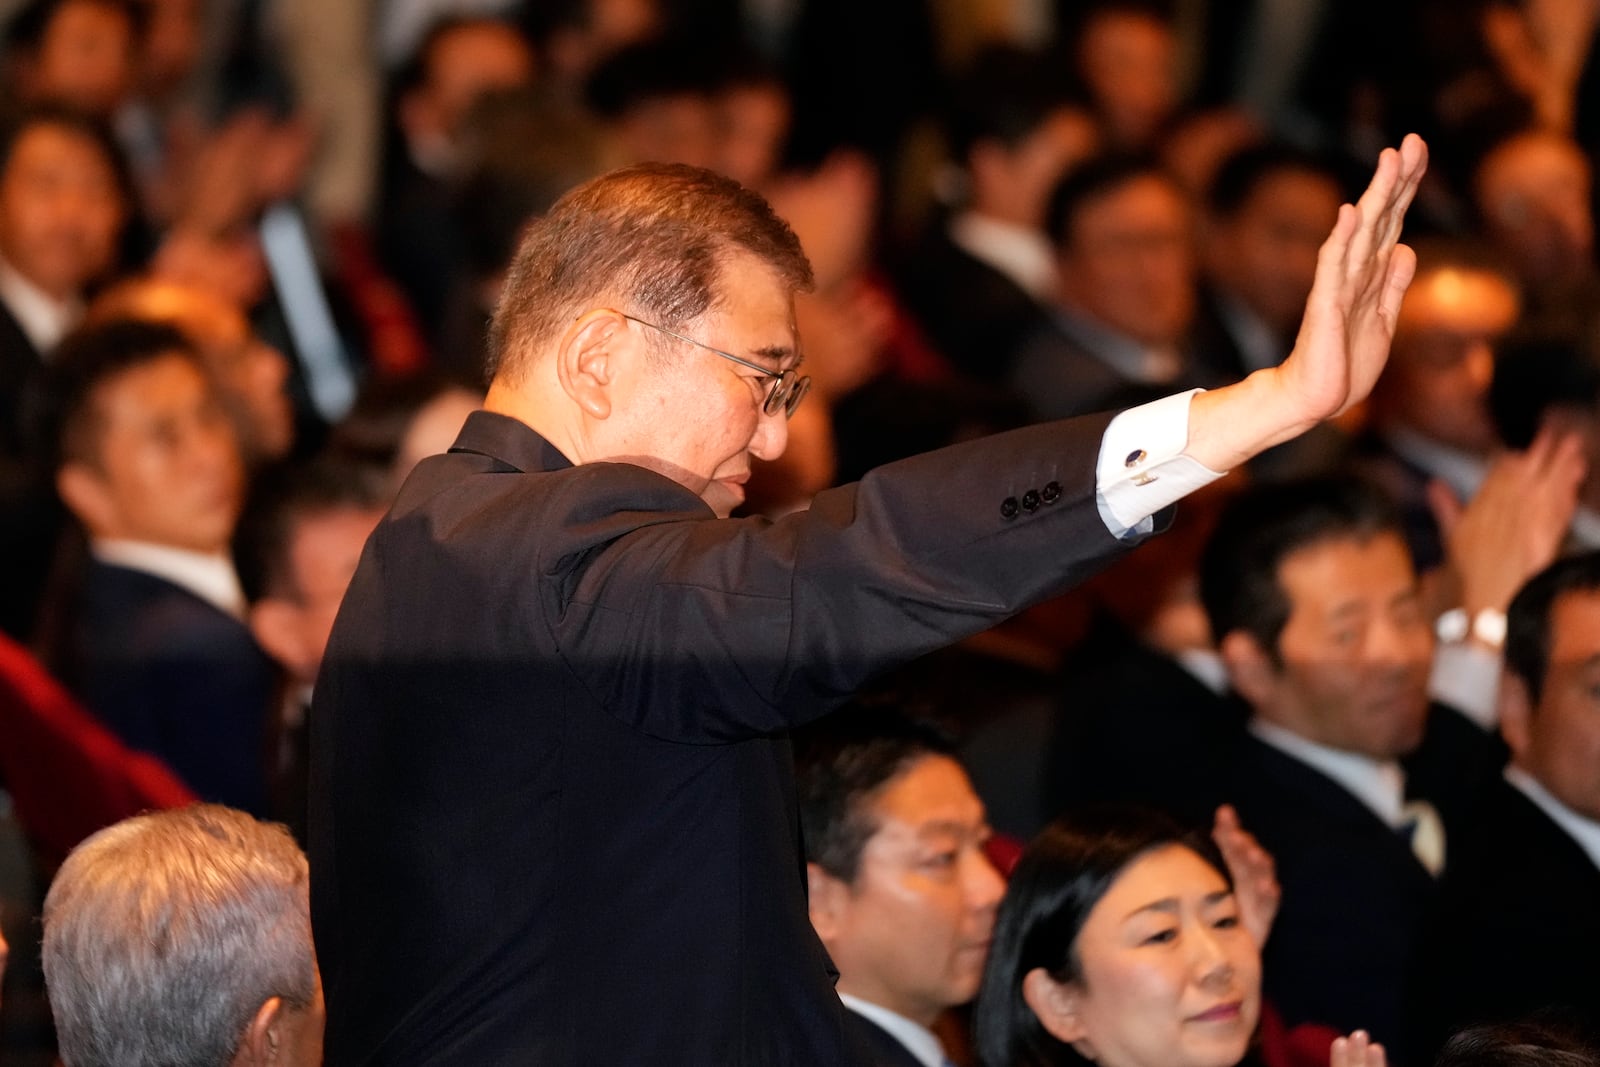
511,441
1585,832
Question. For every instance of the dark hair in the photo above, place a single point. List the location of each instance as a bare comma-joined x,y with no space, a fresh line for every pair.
417,70
651,237
1533,376
1094,180
841,763
17,125
27,29
1244,172
1521,1043
1061,876
1528,618
650,70
66,423
1257,530
280,500
1004,94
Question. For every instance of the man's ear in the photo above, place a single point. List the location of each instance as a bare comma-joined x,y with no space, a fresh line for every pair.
84,491
1056,1006
258,1047
1250,670
828,899
1516,713
592,351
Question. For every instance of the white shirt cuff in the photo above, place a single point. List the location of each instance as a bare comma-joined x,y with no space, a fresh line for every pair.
1466,676
1142,466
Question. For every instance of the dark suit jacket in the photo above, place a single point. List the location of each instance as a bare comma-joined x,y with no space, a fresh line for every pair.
1516,928
881,1047
974,315
1354,895
173,676
30,516
553,814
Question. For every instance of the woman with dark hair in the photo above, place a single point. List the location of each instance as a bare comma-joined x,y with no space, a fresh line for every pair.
1120,943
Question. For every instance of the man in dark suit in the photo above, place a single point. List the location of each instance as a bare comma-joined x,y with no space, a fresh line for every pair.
61,209
1126,291
152,639
553,813
1346,774
981,280
900,890
1516,929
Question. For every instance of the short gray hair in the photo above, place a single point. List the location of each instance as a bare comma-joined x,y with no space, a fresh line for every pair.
165,933
651,238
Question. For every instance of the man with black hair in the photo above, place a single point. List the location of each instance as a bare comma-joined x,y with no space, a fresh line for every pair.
1350,778
152,637
1515,929
980,281
900,889
1120,329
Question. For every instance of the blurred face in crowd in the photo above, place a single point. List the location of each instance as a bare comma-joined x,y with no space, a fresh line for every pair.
911,933
1442,360
1265,255
60,209
173,38
85,58
1557,740
465,65
1533,193
1351,669
324,548
250,374
1167,975
1013,182
165,466
671,128
1127,260
1129,62
692,415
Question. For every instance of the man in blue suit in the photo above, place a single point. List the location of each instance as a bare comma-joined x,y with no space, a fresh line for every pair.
553,811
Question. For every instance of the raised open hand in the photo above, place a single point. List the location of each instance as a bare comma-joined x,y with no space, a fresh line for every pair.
1357,1050
1362,274
1255,877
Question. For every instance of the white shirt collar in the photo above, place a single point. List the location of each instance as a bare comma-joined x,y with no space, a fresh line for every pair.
1461,471
44,319
918,1039
1380,785
1020,253
1585,831
210,577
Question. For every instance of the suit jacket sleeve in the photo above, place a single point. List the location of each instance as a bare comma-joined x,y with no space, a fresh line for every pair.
711,631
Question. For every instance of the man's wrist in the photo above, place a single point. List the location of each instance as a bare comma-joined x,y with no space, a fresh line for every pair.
1486,626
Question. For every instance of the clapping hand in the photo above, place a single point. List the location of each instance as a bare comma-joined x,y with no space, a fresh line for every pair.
1357,1050
1255,879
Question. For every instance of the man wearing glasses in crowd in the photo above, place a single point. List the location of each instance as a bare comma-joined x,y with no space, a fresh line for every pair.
553,809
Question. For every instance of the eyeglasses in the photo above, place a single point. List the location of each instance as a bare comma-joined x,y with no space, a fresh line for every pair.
786,390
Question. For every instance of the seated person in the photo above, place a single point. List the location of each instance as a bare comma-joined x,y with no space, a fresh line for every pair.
1348,775
152,637
1525,883
184,936
899,888
1120,943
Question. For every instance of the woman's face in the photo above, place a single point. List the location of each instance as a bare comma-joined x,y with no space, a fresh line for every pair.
1169,976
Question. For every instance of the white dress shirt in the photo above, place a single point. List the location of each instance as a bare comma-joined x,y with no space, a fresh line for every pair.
210,577
1021,253
918,1039
44,319
1380,785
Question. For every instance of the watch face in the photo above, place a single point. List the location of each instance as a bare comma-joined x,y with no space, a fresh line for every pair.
1490,627
1452,625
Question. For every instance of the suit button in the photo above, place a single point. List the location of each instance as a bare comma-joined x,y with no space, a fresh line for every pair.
1052,493
1008,508
1030,500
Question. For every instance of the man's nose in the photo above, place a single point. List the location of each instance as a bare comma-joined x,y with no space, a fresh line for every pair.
771,436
